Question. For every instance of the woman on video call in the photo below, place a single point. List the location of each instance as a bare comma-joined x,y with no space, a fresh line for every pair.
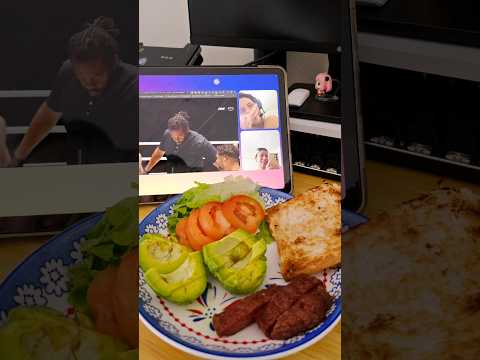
252,114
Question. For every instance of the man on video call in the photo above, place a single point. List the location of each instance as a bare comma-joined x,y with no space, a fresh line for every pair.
184,145
228,158
264,161
93,86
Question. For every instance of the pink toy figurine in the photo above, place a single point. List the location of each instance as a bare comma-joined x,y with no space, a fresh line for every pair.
323,84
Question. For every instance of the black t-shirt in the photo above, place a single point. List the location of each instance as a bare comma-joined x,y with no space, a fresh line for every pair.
196,151
115,111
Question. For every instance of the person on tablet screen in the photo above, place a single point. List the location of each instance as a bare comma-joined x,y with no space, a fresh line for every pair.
93,86
182,143
228,158
252,114
266,160
4,153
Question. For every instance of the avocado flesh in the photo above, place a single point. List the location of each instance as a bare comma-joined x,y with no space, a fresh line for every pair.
237,261
160,253
182,285
245,280
44,334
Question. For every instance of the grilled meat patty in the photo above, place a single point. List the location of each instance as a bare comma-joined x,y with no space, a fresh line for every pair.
280,311
284,299
241,313
305,314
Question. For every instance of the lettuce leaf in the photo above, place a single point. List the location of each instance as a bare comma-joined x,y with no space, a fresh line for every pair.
264,233
42,333
111,238
199,195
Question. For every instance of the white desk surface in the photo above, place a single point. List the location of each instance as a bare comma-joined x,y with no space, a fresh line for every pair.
69,189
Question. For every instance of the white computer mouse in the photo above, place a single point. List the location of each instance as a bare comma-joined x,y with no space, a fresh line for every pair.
298,96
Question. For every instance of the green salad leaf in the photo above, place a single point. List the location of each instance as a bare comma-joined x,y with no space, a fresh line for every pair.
111,238
43,333
264,233
199,195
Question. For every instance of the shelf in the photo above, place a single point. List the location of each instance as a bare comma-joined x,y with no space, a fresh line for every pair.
15,130
419,55
422,162
316,127
315,110
317,172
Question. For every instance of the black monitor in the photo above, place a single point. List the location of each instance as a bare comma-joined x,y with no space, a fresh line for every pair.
321,26
307,25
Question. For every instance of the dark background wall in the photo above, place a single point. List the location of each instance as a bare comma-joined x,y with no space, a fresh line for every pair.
34,36
33,44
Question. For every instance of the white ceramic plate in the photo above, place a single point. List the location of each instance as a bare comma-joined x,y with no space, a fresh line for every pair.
190,328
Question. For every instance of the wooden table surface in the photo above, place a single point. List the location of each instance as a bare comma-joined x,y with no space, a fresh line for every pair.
387,185
329,348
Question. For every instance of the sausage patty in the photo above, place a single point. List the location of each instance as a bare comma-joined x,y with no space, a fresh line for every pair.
305,314
284,299
241,313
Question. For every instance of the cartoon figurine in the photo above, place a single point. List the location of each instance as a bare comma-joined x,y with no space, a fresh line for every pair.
323,84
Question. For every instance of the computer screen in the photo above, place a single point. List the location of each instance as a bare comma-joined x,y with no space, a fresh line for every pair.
310,25
206,127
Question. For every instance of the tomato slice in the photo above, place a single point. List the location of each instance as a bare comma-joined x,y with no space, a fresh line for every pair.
243,212
196,237
207,221
222,221
181,231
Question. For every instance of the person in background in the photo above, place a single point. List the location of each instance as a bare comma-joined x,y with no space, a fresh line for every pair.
182,143
4,153
228,158
141,170
265,161
252,114
94,86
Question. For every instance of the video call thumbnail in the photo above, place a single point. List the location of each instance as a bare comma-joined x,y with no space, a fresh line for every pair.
208,131
213,117
184,133
260,150
258,109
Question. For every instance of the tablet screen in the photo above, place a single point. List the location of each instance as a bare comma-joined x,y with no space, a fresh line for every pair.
206,127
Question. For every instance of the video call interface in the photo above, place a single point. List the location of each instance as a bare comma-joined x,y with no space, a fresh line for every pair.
206,127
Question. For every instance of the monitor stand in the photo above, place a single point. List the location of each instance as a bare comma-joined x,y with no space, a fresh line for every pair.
278,58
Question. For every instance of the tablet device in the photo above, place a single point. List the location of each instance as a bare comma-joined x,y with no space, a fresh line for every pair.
202,124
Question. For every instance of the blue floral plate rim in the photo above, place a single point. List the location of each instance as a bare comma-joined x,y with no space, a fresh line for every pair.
288,348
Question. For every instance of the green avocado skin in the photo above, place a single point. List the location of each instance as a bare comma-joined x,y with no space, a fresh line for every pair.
237,261
184,284
42,333
155,251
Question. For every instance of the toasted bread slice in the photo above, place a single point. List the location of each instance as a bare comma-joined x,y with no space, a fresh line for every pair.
308,230
421,261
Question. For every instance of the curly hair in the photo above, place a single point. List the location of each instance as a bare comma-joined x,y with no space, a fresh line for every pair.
179,121
95,41
229,150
